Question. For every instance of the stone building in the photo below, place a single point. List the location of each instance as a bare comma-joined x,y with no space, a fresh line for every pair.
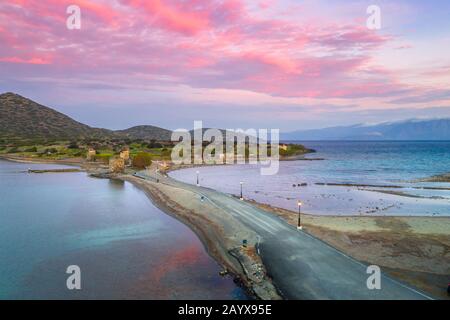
125,155
90,154
117,165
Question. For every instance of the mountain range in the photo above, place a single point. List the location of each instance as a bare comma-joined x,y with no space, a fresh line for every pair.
414,129
22,118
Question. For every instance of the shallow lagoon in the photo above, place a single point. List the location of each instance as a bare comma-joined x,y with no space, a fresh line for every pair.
124,245
346,162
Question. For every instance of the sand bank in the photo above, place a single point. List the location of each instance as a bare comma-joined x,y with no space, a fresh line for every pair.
415,250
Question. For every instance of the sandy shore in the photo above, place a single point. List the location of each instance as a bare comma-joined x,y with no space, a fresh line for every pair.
415,250
70,161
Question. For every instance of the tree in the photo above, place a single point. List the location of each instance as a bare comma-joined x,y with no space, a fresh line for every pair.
73,145
142,160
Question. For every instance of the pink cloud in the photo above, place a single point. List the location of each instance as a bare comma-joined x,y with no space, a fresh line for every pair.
265,4
35,60
186,17
41,13
404,46
198,43
174,16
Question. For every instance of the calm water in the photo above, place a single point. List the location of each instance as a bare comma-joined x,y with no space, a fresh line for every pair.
125,246
379,163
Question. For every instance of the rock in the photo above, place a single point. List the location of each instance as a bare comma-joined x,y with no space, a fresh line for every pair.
223,272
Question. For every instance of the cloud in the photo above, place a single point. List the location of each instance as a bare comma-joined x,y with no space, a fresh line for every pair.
21,60
272,49
428,96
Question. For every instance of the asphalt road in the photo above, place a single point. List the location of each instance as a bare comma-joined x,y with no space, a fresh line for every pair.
302,266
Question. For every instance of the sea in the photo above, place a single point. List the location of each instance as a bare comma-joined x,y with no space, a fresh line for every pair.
124,246
369,178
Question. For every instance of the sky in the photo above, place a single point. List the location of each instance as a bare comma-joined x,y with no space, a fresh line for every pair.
287,64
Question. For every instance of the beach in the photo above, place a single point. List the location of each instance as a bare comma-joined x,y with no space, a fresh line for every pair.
415,250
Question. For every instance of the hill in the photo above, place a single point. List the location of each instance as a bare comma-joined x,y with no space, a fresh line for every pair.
22,118
146,132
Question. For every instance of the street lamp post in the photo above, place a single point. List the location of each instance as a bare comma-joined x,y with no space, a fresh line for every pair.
156,172
242,198
299,224
198,181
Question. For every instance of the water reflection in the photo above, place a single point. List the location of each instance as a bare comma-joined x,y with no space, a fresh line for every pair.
125,246
116,184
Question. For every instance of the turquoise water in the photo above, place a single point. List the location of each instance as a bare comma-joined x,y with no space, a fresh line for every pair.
125,246
375,163
387,162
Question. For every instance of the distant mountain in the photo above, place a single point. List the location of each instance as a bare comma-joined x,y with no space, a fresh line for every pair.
22,118
231,134
146,133
437,129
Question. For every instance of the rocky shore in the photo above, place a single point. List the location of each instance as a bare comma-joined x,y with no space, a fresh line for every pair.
438,178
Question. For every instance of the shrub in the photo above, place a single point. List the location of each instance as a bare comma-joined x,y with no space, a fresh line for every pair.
153,144
50,151
142,160
72,145
32,149
103,157
166,152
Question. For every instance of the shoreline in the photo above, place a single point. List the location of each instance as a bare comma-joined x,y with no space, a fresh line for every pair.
212,243
236,260
415,250
78,162
379,186
406,195
408,248
243,264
